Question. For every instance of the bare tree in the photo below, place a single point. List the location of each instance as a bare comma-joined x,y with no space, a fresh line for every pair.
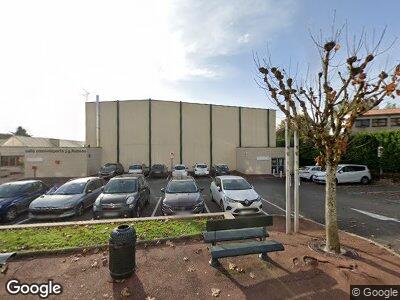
324,107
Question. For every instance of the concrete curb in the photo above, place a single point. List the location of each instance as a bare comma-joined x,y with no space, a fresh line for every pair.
358,236
139,245
113,221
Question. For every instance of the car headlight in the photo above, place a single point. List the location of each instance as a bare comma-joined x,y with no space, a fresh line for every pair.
130,200
227,199
259,198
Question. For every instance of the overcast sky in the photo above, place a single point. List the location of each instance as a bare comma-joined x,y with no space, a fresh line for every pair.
196,51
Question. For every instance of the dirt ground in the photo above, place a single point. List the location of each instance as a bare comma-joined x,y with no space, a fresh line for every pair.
181,271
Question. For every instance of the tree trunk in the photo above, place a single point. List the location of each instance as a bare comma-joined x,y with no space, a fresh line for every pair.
331,226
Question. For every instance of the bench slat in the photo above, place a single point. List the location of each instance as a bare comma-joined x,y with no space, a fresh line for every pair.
237,249
234,234
225,224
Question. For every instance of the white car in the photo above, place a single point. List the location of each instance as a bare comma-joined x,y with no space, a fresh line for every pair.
179,171
308,172
347,174
235,195
135,169
200,169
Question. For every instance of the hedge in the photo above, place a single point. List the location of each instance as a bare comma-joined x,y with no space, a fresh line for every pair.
363,149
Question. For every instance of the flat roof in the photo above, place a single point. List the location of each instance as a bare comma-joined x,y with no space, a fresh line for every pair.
186,102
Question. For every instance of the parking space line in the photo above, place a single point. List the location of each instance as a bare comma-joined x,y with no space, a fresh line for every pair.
155,209
278,207
206,207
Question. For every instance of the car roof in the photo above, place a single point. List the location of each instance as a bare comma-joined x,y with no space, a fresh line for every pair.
179,165
84,179
229,177
127,176
22,182
344,165
182,178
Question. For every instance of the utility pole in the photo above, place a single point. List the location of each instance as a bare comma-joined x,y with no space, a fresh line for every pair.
296,181
287,172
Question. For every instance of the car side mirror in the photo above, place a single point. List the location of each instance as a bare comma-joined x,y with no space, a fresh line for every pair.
162,190
89,191
340,172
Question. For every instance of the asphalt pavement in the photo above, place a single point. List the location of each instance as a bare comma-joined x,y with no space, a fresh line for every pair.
371,211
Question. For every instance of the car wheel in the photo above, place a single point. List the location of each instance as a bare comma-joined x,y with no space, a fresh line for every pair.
365,180
312,178
79,210
221,203
11,214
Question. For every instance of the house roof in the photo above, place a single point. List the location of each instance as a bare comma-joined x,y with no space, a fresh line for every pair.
380,112
27,141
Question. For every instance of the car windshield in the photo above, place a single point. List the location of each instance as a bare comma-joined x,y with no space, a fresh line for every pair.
179,168
202,166
158,167
108,168
120,186
10,190
223,167
135,167
236,184
182,186
305,168
71,188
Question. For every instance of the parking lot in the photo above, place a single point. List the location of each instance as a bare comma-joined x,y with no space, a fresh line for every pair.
371,211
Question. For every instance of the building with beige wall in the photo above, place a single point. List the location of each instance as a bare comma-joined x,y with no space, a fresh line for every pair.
61,162
13,150
378,120
148,131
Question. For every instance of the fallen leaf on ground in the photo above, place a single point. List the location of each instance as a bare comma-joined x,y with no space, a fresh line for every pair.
295,261
150,298
215,292
125,292
185,258
232,266
191,269
198,251
95,264
240,270
3,269
169,243
75,259
119,280
252,275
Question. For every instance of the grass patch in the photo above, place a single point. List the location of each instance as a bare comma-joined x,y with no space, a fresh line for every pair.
52,238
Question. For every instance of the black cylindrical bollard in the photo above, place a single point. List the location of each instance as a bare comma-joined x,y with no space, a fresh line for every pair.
122,248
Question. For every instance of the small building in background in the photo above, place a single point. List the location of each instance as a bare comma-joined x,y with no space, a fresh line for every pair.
13,151
377,120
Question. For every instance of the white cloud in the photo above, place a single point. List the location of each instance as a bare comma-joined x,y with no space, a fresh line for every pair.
51,50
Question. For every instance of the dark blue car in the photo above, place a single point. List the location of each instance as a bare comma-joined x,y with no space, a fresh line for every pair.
15,197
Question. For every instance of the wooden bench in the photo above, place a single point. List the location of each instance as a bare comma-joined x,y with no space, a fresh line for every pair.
240,229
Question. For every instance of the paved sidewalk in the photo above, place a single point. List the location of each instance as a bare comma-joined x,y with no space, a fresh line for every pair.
181,271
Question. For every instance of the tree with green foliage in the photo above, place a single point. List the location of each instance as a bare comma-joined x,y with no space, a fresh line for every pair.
21,131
